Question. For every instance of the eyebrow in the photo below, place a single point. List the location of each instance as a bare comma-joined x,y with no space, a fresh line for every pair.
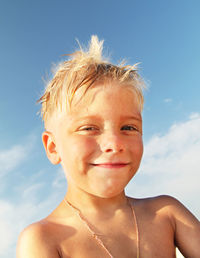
137,117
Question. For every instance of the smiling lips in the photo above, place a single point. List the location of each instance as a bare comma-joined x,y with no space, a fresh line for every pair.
111,165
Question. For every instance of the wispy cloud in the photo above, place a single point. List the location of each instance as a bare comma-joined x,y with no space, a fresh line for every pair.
167,100
6,226
12,157
60,180
16,216
178,149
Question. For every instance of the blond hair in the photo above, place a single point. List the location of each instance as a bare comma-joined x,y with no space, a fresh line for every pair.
84,69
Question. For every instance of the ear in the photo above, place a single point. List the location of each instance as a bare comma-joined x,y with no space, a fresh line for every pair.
50,148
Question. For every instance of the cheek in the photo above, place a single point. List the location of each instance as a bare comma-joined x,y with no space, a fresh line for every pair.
77,153
83,147
136,147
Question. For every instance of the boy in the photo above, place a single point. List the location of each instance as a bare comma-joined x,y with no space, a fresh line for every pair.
92,115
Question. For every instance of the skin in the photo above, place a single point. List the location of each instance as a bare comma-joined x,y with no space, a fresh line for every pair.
99,145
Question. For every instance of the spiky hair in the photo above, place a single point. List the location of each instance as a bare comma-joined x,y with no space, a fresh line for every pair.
84,69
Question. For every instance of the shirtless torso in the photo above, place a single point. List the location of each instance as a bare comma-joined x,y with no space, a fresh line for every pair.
162,222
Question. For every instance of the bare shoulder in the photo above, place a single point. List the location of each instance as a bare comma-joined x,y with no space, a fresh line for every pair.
168,204
158,209
170,207
173,207
185,225
36,241
155,201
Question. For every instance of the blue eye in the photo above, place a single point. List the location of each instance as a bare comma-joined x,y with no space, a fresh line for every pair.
88,128
129,128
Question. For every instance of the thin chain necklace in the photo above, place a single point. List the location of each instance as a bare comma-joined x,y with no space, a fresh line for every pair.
95,235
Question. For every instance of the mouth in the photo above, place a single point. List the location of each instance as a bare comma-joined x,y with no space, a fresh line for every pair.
111,165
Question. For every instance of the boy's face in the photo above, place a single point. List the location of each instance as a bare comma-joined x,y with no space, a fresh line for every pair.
99,142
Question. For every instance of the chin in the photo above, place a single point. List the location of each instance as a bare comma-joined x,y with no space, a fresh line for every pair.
109,193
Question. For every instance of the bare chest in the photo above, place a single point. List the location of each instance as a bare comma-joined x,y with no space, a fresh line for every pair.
87,245
154,241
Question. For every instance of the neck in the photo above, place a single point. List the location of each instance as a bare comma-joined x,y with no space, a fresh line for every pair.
95,204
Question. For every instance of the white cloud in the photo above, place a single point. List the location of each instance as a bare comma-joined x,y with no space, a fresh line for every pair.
15,155
29,206
175,151
31,191
6,226
11,158
16,216
12,219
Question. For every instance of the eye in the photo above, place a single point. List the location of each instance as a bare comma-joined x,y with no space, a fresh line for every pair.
129,128
89,128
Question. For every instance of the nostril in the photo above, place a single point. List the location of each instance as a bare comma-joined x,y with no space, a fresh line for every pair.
108,150
114,150
112,144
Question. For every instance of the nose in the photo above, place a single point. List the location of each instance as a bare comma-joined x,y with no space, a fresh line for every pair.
112,143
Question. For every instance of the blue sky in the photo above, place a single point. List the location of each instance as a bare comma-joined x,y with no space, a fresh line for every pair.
162,35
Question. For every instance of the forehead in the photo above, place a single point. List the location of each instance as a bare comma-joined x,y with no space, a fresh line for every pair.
107,97
109,101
